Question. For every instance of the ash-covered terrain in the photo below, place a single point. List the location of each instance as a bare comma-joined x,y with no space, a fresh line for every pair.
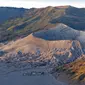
32,45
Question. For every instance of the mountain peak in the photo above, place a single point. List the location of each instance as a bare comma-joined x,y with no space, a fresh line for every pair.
66,6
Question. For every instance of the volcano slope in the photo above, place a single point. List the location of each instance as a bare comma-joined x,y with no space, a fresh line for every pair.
47,48
37,38
23,22
50,46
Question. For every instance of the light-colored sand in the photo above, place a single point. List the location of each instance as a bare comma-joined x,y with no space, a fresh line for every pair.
17,78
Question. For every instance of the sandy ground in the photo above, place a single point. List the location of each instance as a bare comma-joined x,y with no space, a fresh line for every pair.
17,78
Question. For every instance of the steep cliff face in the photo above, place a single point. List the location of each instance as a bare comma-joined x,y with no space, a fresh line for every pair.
76,51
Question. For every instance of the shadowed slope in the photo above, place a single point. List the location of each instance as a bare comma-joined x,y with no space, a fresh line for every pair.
60,32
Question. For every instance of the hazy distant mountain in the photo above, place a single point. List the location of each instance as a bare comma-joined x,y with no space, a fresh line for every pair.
7,13
24,22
